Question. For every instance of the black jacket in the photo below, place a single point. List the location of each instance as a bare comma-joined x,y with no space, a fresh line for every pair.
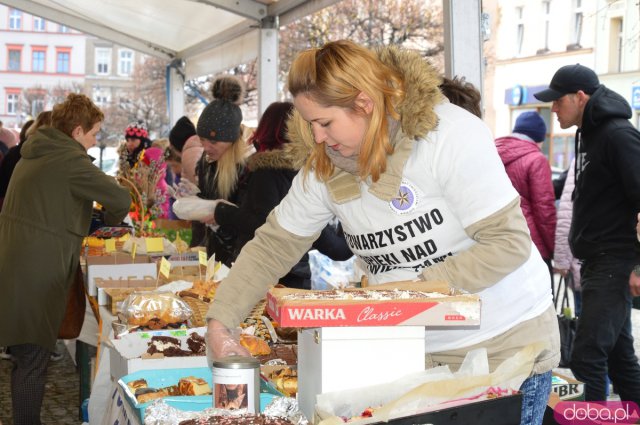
606,198
269,179
7,165
221,241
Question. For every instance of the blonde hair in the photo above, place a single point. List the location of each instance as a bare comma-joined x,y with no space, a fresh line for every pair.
227,172
334,75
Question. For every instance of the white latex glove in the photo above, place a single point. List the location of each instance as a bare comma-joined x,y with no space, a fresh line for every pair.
221,342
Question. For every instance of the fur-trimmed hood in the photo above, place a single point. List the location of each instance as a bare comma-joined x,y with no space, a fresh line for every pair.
422,94
274,159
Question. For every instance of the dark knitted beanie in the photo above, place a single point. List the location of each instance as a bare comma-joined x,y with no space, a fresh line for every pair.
180,132
531,124
220,120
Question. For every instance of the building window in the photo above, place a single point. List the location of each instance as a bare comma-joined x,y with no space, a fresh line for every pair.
15,59
37,62
63,28
12,103
15,19
63,58
37,105
103,61
577,25
546,8
38,24
616,43
519,29
125,62
100,96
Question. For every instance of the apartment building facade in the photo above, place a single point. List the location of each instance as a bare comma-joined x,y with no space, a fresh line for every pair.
531,39
38,59
41,61
109,70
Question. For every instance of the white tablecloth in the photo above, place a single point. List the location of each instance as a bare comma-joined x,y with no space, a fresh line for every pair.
103,387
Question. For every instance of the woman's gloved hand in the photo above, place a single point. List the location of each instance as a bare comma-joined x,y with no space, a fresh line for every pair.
221,342
183,189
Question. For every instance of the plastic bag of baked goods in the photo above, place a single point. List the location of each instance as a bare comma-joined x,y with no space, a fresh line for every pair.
155,310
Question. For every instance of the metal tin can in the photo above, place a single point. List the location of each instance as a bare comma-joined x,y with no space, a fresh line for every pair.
236,383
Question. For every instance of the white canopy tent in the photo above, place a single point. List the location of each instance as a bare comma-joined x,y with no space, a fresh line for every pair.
209,36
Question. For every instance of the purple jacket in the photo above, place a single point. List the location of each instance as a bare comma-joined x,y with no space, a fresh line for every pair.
530,174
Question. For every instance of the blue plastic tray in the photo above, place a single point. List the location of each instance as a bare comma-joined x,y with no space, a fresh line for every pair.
165,377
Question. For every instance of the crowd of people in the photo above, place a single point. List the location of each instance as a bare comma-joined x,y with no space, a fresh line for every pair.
375,130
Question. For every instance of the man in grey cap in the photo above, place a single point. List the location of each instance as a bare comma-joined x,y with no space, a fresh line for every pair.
606,200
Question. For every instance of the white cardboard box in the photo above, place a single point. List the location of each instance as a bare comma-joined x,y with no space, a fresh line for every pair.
127,350
118,271
340,358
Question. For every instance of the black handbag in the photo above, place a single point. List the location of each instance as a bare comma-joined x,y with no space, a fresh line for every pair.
566,322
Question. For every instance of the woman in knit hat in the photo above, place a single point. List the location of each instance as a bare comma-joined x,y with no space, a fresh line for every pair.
136,141
144,166
530,173
221,168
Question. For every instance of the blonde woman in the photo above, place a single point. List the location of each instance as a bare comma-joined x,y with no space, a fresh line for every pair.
421,193
222,165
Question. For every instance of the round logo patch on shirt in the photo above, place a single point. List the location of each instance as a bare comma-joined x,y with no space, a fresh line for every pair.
406,199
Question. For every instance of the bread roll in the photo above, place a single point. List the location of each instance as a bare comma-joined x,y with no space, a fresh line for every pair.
255,345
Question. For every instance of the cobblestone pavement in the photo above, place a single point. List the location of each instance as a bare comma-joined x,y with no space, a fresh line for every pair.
61,403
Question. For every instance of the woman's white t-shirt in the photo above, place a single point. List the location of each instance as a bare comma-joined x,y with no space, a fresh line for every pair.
452,179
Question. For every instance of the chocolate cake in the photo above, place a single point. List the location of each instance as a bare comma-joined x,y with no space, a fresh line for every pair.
286,352
238,420
196,344
168,346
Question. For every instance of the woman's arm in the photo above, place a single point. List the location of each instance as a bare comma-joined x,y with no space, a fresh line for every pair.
503,245
269,255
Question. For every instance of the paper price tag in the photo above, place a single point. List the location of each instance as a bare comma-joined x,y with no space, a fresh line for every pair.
165,267
202,258
110,245
154,244
125,237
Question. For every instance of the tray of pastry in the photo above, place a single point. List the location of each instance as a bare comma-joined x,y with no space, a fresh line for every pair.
185,389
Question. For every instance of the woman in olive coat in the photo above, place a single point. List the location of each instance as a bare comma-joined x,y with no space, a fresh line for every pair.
46,214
